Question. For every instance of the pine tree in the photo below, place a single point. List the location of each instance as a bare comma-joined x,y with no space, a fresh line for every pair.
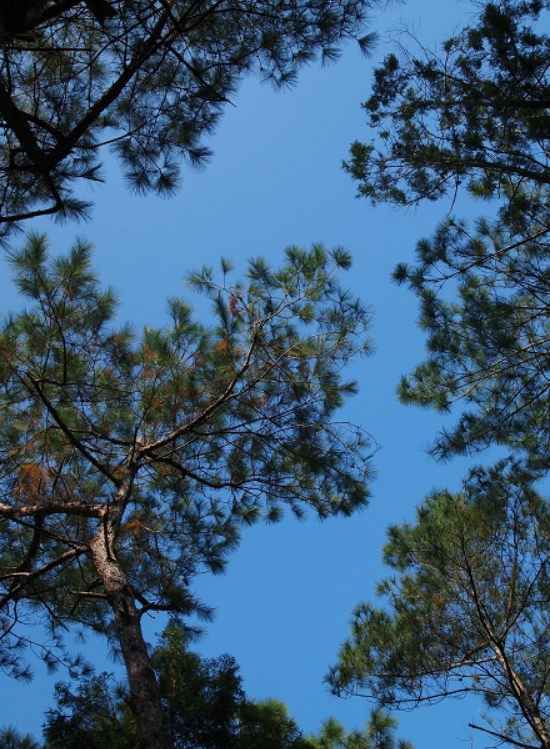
203,699
379,733
147,78
474,117
465,609
205,707
128,463
11,738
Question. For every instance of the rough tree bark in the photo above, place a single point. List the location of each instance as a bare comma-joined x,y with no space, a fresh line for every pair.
144,688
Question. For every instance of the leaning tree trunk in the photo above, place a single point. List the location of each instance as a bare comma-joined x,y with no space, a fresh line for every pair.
144,687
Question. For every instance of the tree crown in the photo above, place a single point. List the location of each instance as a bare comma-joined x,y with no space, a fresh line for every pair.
465,610
147,78
173,438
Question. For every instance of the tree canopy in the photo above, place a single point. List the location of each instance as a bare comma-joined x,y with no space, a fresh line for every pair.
474,117
128,463
203,700
148,78
484,306
379,733
205,707
11,738
465,609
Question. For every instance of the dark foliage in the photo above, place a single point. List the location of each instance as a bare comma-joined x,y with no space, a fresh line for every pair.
148,78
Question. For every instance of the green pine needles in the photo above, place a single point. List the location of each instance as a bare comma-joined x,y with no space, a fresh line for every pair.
146,78
129,463
465,607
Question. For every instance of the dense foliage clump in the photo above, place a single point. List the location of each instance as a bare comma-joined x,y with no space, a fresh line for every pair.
147,78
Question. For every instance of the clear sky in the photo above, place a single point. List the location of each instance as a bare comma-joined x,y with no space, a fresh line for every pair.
275,179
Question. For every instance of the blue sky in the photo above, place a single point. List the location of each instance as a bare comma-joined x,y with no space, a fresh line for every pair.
275,179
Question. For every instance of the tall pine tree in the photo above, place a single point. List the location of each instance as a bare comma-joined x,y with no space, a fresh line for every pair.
128,463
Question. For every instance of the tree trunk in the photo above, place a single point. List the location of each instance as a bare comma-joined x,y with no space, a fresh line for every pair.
144,688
